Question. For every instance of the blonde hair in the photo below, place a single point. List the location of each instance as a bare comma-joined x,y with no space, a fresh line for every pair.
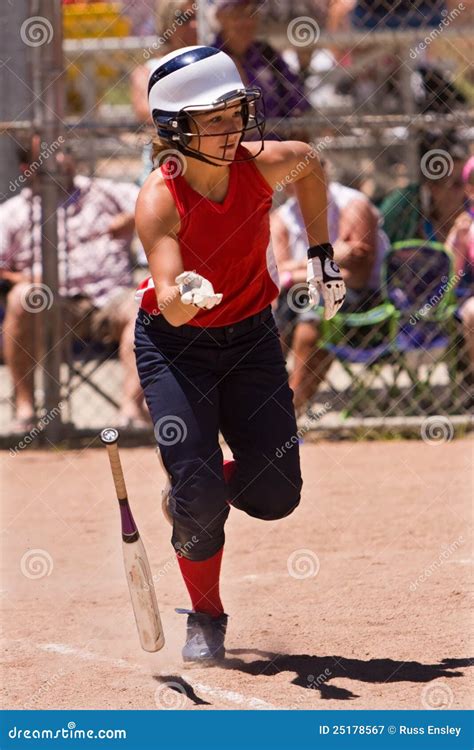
167,12
158,147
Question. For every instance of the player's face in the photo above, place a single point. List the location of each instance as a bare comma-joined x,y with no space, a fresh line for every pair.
220,132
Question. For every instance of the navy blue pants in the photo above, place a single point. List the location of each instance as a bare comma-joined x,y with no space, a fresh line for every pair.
199,381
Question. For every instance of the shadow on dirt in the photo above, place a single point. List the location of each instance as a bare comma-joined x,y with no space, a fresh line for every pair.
315,672
182,688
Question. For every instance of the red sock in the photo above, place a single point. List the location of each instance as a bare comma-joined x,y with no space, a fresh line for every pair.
229,468
202,581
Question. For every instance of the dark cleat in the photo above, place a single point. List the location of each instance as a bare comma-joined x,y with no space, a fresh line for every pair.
204,638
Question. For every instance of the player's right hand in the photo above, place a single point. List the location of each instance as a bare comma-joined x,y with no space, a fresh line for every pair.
325,279
196,290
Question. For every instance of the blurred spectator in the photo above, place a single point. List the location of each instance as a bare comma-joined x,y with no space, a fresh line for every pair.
381,14
461,242
313,67
427,210
373,73
95,229
359,247
177,27
258,63
142,16
284,11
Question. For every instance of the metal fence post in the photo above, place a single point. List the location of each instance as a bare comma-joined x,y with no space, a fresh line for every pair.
49,123
15,88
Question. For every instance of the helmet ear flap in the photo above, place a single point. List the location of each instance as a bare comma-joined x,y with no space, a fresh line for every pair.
183,127
172,129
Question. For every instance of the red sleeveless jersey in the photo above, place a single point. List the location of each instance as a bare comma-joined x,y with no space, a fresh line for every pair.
228,243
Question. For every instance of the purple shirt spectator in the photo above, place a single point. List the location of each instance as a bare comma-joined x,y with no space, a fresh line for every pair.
264,67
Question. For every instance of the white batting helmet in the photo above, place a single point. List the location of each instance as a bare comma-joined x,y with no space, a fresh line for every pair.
194,80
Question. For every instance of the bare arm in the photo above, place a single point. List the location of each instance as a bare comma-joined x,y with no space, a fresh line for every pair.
280,240
282,252
157,223
355,247
139,82
457,242
297,163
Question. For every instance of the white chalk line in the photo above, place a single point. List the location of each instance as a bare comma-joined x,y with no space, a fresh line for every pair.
230,696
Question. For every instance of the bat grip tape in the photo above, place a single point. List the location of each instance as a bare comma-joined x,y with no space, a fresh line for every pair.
117,472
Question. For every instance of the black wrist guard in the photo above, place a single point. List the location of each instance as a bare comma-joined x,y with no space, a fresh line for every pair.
321,251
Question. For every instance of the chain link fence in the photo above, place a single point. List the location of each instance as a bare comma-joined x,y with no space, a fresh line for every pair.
384,93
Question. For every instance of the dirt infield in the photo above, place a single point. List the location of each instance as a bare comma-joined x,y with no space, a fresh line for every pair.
358,600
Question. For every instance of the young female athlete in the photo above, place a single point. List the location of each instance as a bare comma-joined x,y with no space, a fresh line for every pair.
207,348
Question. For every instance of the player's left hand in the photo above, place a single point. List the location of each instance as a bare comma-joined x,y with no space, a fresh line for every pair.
325,280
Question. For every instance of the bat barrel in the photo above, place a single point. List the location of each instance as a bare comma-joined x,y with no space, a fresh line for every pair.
137,567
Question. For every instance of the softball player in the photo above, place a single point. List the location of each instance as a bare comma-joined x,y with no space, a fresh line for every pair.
207,348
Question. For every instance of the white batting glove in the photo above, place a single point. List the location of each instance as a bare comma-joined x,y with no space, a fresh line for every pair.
325,280
196,290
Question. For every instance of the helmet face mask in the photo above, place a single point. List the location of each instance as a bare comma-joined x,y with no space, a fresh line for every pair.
203,81
187,127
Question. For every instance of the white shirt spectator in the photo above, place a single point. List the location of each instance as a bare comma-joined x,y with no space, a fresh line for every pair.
91,262
339,196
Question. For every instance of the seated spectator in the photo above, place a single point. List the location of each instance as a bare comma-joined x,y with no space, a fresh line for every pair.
428,208
177,27
258,63
142,17
95,230
373,69
380,14
313,67
359,247
461,242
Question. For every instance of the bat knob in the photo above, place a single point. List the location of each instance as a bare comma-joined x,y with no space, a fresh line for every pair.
109,436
